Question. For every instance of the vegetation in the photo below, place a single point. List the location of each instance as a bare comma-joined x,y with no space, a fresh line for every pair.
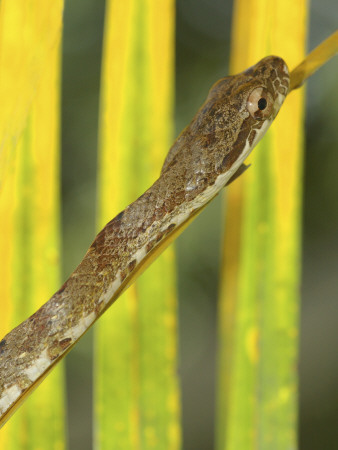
260,276
137,399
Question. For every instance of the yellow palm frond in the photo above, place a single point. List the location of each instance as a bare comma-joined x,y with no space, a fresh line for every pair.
30,36
136,388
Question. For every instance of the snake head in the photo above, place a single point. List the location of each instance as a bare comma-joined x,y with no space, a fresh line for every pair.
235,116
239,109
259,91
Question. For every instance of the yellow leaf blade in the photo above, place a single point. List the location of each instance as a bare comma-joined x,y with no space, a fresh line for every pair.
136,388
29,196
259,300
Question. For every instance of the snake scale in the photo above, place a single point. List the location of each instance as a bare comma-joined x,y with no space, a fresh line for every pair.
207,155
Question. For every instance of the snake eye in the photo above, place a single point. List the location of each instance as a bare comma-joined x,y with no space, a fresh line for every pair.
260,103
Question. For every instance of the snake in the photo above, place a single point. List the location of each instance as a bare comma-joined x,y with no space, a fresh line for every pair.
207,155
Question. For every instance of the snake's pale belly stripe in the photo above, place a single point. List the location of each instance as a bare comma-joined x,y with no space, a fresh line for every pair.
208,154
33,372
9,397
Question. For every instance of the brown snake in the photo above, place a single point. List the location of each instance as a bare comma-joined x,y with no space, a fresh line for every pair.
206,156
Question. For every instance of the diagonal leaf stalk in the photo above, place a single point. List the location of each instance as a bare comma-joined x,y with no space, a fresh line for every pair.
314,61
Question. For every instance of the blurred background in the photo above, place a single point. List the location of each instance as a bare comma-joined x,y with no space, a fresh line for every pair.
202,55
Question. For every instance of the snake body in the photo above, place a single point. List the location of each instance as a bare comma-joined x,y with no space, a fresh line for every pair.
207,155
